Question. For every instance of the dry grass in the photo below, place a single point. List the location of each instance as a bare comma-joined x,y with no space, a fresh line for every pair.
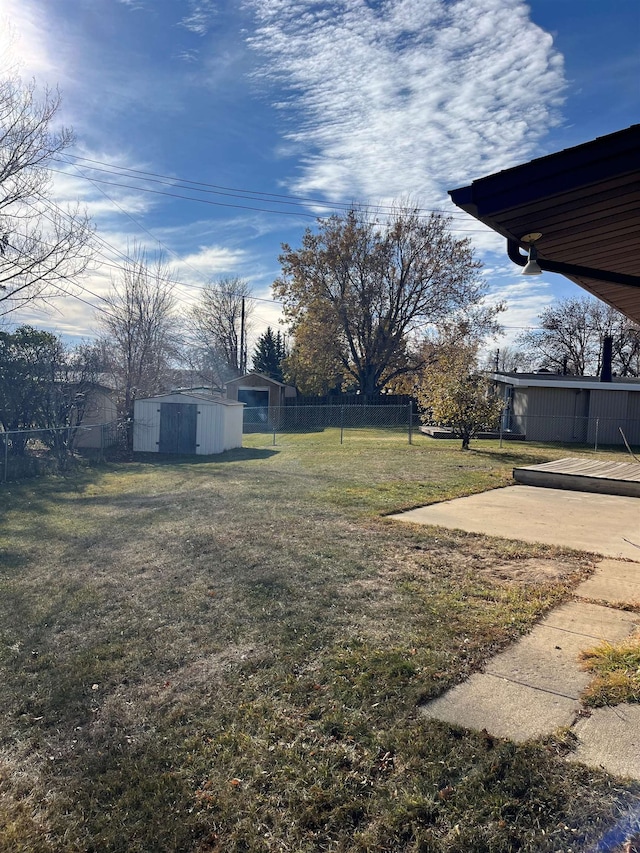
228,654
616,669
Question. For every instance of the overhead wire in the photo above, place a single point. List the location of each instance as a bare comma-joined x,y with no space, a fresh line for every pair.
108,262
249,195
116,169
138,224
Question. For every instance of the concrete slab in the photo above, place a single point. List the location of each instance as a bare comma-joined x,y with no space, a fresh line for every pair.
603,524
546,659
502,707
614,581
610,739
591,622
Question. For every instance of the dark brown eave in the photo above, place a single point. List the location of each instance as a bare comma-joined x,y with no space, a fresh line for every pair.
585,201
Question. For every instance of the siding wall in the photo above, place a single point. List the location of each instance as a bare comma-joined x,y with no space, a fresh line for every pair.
611,409
100,409
575,415
146,426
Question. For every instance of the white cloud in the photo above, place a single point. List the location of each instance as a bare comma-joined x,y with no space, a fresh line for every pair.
524,300
200,17
24,46
408,95
210,261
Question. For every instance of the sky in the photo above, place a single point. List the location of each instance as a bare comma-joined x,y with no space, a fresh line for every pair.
216,130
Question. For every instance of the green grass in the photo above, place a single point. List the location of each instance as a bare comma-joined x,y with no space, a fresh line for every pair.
228,654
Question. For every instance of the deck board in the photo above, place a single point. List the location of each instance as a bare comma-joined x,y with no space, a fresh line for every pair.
583,475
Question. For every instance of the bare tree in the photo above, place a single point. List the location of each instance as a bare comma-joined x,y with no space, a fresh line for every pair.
219,325
42,247
139,335
509,359
571,337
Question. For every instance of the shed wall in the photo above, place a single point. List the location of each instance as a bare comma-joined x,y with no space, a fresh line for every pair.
146,426
219,426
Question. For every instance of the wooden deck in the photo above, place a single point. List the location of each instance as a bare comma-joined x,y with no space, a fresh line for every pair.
583,475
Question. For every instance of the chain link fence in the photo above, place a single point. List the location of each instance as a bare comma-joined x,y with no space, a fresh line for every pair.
29,453
276,422
34,452
595,433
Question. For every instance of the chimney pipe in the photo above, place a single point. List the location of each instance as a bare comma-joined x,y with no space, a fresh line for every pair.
607,354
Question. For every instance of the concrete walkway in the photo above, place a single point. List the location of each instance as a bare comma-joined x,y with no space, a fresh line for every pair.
533,688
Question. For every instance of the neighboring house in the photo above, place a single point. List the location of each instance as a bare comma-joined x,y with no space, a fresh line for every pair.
261,394
187,422
99,409
580,409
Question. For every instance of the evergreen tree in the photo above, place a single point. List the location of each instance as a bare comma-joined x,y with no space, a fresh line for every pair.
268,355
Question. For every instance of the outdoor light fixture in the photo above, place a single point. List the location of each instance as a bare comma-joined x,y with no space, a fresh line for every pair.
532,267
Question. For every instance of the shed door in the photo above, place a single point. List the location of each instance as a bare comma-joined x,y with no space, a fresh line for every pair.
178,423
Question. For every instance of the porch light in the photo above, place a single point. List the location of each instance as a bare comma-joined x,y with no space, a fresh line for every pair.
532,267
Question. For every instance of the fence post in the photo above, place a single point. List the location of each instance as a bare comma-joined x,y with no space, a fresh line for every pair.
595,449
341,424
6,456
410,422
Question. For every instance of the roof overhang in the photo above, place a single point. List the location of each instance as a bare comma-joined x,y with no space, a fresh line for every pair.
585,204
577,383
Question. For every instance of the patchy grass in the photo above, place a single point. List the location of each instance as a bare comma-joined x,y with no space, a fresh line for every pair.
227,654
616,669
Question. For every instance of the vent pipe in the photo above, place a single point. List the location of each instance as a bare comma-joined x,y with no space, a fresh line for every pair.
607,354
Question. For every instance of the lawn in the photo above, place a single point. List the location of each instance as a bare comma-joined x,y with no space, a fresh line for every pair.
229,654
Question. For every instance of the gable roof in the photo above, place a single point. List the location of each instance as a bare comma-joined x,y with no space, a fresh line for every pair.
585,202
260,376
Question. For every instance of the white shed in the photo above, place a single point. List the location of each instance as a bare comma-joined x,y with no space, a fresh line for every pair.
184,422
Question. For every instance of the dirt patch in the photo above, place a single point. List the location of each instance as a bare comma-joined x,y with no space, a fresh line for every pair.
530,571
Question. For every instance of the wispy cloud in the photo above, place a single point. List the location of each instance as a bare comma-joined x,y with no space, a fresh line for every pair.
135,5
200,17
525,300
408,95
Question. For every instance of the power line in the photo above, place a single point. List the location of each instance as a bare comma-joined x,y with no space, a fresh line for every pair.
192,198
115,169
249,195
135,222
66,292
119,268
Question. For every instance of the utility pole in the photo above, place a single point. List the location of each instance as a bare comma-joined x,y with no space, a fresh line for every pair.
243,362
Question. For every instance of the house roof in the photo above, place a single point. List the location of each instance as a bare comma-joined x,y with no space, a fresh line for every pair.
253,374
557,380
585,202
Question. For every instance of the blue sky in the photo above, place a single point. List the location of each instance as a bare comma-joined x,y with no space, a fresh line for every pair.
349,101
